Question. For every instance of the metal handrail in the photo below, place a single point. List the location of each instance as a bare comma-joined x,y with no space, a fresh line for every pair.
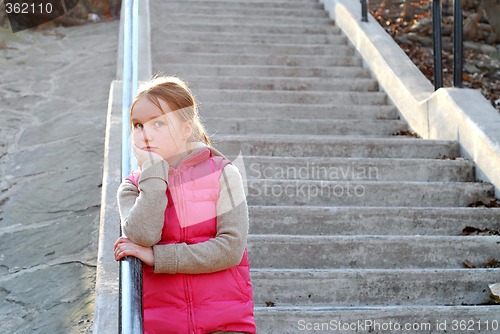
130,303
437,41
438,48
364,10
458,45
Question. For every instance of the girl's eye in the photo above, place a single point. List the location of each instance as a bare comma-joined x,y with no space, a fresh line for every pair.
138,126
158,123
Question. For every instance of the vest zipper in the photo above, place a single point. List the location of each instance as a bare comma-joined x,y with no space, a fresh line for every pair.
190,304
182,218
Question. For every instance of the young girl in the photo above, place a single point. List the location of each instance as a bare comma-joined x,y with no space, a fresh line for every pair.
185,217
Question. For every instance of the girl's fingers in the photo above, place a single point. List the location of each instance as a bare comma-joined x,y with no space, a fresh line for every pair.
120,254
117,242
119,250
140,155
124,249
128,248
120,241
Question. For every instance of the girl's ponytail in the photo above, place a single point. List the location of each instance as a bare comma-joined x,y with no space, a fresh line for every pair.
206,139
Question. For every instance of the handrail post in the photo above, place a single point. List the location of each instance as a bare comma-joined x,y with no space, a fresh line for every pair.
130,296
364,10
436,38
458,46
130,285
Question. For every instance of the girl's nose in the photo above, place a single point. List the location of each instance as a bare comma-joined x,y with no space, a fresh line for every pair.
146,134
141,137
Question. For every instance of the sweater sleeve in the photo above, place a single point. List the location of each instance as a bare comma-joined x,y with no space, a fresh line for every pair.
223,251
142,209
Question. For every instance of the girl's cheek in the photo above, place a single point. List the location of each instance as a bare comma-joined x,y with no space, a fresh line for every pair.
137,137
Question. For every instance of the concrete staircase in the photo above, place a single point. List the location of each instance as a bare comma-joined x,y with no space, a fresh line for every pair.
352,228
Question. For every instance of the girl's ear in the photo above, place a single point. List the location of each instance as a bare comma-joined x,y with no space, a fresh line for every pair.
188,129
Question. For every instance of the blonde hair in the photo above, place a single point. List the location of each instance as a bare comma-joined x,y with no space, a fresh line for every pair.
177,95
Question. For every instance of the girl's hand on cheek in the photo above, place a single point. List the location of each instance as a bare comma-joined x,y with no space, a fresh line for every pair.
125,247
145,158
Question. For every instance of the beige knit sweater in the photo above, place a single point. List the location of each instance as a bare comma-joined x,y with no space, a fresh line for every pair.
142,217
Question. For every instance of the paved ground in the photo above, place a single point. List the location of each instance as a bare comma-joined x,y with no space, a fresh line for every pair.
54,88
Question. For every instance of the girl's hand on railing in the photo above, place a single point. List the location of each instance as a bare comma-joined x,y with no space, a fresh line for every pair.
125,247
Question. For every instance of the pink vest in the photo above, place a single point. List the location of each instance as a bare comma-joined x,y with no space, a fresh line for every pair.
196,303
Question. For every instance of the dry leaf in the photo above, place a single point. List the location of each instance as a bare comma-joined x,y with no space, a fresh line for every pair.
469,264
270,304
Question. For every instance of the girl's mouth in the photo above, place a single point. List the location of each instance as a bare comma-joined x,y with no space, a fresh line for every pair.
149,148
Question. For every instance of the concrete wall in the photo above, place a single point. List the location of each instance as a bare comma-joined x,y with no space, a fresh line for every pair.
106,291
462,115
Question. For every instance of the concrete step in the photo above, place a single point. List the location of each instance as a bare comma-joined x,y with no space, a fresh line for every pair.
309,220
252,70
265,39
378,320
328,146
250,10
291,111
242,5
255,59
258,48
358,169
252,28
368,128
372,287
366,193
235,19
369,252
283,83
299,97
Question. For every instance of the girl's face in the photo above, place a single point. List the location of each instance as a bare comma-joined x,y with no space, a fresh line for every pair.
159,131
